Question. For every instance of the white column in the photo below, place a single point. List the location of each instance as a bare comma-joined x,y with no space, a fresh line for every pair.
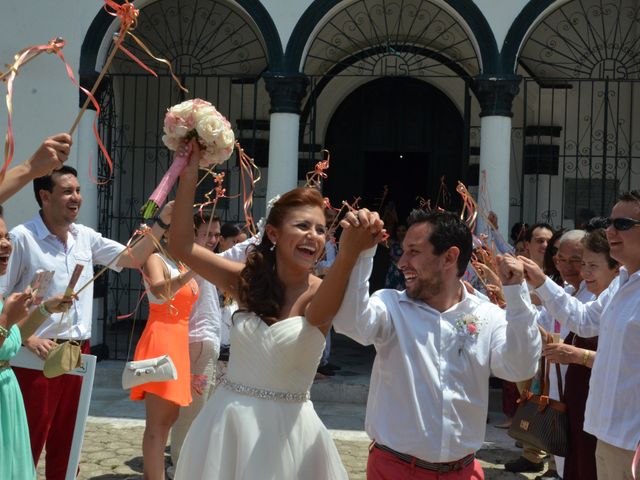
495,160
87,153
282,175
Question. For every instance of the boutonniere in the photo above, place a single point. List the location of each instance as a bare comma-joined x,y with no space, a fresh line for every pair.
468,327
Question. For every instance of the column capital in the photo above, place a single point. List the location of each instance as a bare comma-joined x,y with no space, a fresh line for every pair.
496,94
286,91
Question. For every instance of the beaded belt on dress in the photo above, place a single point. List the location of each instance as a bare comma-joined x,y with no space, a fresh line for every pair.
4,364
263,393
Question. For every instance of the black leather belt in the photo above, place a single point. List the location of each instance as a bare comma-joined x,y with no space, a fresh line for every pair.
433,467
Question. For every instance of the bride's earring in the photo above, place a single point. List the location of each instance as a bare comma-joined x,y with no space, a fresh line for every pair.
273,247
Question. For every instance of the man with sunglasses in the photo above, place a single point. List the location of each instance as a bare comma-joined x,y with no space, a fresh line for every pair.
611,413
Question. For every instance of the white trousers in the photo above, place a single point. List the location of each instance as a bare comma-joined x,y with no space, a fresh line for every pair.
203,358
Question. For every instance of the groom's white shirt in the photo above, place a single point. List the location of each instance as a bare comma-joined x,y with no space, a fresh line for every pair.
430,384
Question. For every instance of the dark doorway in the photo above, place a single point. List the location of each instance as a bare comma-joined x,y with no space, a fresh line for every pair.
395,131
403,189
400,132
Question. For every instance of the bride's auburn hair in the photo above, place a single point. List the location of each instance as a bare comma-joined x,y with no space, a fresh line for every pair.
261,291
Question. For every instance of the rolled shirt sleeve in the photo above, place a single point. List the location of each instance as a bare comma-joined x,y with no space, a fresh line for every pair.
105,250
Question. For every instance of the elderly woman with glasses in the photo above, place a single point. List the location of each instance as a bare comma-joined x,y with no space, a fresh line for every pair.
598,269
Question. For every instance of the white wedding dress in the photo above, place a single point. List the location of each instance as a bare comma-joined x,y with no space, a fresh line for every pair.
260,424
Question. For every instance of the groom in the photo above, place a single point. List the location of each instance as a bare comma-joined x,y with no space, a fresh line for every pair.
436,347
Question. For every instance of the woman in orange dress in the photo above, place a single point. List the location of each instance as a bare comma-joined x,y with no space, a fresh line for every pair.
172,292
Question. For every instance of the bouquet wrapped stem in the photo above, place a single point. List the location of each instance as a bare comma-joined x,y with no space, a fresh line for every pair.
160,194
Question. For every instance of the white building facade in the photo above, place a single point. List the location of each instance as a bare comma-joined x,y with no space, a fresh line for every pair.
529,103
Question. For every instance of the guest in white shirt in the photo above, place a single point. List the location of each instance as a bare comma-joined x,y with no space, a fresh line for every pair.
52,240
436,348
611,413
204,336
568,262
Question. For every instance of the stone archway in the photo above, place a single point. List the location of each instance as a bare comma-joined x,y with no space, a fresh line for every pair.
219,53
358,41
579,109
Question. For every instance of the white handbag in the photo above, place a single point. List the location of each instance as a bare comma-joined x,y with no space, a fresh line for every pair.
159,369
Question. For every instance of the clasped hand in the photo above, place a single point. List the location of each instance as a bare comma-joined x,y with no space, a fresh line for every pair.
510,269
361,229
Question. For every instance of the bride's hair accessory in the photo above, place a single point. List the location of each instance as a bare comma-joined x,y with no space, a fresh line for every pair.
262,223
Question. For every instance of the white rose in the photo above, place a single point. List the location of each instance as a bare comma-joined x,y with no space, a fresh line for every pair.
205,111
171,142
209,128
183,109
227,139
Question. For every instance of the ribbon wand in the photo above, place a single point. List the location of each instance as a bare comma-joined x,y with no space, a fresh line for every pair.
96,84
26,60
128,15
75,276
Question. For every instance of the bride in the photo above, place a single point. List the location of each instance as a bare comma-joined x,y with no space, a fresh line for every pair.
260,423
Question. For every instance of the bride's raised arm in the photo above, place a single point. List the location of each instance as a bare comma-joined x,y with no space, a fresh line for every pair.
223,273
361,230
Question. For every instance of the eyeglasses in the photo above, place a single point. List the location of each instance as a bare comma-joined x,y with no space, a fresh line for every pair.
622,224
574,261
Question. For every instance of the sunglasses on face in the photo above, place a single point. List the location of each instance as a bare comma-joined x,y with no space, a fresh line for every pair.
622,224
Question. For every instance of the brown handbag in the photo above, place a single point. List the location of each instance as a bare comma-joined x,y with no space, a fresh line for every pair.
541,421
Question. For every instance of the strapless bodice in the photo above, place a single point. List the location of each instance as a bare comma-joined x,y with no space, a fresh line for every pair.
282,357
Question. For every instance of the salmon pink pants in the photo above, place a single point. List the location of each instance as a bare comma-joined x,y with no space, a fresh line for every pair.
383,465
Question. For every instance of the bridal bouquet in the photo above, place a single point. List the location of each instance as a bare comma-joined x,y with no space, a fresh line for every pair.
197,119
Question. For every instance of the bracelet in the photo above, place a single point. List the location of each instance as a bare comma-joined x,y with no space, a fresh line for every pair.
161,224
585,357
43,310
4,333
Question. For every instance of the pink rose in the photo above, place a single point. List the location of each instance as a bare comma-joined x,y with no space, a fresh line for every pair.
170,122
472,329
